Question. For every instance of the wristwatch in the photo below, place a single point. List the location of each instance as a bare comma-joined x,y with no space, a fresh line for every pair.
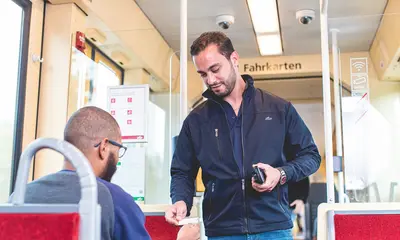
283,178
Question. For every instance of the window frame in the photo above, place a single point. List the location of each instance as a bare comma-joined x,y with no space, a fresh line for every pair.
26,6
96,54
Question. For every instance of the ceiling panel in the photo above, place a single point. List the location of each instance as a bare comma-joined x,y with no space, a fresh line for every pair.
357,20
165,15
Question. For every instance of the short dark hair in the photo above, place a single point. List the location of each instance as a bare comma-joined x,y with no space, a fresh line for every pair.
89,125
206,39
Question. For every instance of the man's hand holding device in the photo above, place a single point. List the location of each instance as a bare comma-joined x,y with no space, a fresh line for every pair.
265,177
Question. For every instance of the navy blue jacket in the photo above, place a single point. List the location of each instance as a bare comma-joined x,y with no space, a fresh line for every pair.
272,133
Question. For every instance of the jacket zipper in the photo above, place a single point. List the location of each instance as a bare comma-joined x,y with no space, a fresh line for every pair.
219,150
212,193
243,179
213,184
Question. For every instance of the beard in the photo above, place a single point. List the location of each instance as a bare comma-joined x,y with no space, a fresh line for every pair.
229,84
110,169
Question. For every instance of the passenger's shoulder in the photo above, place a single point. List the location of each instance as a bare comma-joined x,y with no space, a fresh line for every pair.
129,218
57,176
54,180
104,193
118,195
112,188
107,211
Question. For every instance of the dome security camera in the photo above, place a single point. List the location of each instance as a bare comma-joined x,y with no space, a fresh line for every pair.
305,16
225,21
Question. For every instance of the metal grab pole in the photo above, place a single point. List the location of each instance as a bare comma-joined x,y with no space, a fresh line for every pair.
338,112
202,229
327,101
183,62
170,112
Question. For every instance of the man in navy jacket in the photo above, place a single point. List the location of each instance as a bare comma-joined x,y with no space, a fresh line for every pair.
238,127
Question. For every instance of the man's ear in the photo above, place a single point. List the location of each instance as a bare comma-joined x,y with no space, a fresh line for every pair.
103,149
235,58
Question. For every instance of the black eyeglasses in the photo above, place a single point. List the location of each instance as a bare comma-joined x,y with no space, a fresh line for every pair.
122,149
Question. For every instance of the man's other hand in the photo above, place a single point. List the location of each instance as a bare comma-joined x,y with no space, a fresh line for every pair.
298,205
272,178
176,213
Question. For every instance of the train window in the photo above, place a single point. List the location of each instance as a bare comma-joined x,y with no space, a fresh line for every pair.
99,57
14,21
105,77
92,72
108,74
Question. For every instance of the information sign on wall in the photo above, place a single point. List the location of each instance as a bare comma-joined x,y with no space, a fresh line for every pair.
359,86
359,76
128,105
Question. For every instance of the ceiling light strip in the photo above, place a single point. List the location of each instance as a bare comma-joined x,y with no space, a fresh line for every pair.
264,14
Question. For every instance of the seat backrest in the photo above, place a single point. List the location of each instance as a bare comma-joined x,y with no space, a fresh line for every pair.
367,226
25,216
39,226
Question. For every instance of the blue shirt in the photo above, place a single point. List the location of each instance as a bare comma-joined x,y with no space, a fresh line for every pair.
129,218
235,127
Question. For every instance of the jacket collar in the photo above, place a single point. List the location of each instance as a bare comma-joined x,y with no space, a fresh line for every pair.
249,91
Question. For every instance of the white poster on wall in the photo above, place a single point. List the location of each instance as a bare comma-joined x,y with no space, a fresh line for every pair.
356,120
128,105
130,174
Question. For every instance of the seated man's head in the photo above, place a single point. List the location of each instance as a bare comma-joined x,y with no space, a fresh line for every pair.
97,134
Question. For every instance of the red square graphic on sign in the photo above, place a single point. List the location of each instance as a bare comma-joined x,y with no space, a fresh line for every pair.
112,100
129,112
130,99
129,122
113,112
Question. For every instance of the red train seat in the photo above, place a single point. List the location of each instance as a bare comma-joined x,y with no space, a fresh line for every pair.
39,226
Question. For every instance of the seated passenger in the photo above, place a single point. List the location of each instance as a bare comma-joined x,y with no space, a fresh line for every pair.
98,136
